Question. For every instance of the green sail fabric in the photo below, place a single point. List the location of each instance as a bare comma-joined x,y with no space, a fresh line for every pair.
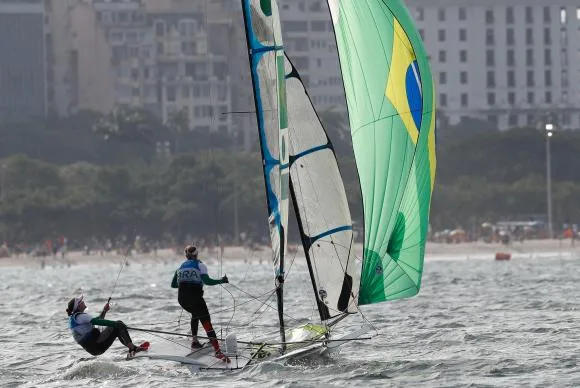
390,97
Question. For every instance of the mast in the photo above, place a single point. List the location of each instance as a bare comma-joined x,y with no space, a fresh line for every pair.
266,59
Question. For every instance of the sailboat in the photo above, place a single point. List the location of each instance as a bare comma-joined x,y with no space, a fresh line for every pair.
390,99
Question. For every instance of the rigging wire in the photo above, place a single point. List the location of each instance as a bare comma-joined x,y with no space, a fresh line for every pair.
245,342
233,309
266,304
118,275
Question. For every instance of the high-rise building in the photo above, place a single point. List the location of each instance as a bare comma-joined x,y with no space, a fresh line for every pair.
310,43
192,66
511,62
23,74
166,56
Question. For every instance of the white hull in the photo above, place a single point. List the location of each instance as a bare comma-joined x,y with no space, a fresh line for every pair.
204,358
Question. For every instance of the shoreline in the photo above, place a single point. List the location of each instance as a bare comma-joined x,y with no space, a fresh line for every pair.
528,248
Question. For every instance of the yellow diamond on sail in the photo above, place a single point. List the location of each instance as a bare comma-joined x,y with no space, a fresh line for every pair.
402,61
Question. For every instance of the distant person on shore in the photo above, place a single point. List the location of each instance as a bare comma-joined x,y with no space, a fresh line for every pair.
93,340
189,280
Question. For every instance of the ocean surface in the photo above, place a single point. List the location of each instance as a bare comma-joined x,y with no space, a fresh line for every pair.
475,323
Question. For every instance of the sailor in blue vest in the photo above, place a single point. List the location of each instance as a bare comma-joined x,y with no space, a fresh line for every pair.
93,340
189,280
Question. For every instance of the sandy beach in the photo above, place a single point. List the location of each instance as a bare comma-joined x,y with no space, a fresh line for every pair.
471,250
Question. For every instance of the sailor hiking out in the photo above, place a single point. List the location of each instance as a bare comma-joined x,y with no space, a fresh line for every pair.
93,340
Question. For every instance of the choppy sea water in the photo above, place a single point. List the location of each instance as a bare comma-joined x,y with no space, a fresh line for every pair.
475,323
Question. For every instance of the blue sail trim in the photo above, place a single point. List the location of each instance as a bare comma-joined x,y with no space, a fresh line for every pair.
256,53
311,240
265,49
293,158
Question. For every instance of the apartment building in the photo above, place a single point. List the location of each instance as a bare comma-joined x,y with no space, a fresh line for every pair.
512,62
309,40
23,74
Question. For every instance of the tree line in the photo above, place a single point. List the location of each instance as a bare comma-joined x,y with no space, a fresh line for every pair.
101,176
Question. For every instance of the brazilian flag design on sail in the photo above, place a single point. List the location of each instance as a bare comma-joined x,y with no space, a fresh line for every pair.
391,105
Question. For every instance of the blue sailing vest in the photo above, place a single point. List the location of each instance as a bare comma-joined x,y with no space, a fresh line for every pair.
80,326
190,273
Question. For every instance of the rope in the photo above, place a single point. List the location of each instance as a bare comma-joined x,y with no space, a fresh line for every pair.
248,342
272,307
118,275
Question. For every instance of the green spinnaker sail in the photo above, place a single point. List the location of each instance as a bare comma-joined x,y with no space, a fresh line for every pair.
391,104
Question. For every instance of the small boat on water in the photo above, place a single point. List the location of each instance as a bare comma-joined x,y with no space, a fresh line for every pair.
503,256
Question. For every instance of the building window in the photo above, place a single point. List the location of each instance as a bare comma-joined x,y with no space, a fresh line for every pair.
188,48
185,92
490,98
547,57
563,37
513,120
530,57
511,78
563,16
187,28
547,36
442,78
509,15
490,79
462,35
441,34
530,98
566,118
489,16
490,57
463,77
529,15
420,14
442,99
564,78
548,97
529,36
547,16
441,14
136,92
464,99
171,93
442,56
318,25
492,119
511,98
462,13
511,58
462,56
489,37
160,28
531,119
530,78
510,36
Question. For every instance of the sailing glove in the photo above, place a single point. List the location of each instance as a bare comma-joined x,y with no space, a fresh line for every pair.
225,279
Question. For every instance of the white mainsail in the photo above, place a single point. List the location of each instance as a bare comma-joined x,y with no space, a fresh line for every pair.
321,205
